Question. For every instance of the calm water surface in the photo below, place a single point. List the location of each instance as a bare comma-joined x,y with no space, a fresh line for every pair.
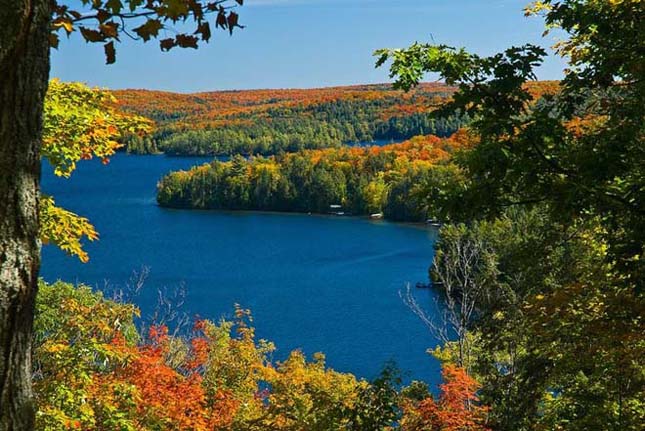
316,283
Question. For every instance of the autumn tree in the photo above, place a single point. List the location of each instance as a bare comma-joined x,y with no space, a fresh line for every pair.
563,323
29,29
456,409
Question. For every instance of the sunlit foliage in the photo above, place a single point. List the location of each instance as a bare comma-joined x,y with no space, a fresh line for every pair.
270,122
456,409
362,180
79,123
94,371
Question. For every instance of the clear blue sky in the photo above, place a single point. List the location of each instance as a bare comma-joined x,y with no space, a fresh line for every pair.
306,43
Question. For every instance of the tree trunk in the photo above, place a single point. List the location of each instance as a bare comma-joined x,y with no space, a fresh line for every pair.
24,71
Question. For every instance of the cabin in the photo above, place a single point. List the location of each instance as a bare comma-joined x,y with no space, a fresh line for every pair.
433,222
336,209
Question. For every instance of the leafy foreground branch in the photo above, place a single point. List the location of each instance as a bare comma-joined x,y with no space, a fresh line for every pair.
547,301
93,370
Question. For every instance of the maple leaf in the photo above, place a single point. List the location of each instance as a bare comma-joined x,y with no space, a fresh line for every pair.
114,6
110,29
149,29
167,44
110,53
205,30
221,21
176,9
186,41
232,22
92,35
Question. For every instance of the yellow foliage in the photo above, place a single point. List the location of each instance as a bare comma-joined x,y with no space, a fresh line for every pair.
64,228
79,123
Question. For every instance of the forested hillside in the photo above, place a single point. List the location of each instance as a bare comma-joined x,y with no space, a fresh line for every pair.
405,181
393,179
269,122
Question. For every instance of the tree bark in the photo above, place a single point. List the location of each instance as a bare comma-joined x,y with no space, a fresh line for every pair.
24,71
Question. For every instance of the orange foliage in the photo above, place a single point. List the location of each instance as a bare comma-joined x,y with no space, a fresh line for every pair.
428,148
457,408
224,108
175,400
538,89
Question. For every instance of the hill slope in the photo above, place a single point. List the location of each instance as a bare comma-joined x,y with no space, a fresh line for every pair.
274,121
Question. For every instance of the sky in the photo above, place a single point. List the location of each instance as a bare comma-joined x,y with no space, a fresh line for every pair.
305,44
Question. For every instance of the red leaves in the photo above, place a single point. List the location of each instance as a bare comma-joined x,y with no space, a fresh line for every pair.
205,30
149,29
229,21
221,20
91,35
110,53
176,399
110,30
167,44
232,21
158,334
186,41
181,40
105,29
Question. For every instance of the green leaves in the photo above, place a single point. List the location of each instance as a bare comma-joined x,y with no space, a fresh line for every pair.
411,64
562,325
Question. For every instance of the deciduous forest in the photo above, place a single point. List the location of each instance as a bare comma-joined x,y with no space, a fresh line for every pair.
267,122
538,189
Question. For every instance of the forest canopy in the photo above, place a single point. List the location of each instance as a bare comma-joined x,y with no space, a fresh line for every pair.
269,122
391,179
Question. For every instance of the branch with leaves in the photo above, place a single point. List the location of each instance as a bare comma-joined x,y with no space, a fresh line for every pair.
104,21
80,123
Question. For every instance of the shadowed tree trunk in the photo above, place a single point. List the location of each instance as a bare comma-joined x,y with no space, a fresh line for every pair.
24,71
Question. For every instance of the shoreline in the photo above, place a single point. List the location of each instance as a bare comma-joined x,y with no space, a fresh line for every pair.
418,225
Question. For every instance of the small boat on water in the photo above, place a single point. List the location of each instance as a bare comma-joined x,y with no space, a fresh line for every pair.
376,216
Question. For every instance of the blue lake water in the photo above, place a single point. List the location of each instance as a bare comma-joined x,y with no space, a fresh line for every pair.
314,283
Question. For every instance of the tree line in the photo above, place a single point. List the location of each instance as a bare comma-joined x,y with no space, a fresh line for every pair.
391,179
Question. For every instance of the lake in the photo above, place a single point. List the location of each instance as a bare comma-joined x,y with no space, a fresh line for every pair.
315,283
